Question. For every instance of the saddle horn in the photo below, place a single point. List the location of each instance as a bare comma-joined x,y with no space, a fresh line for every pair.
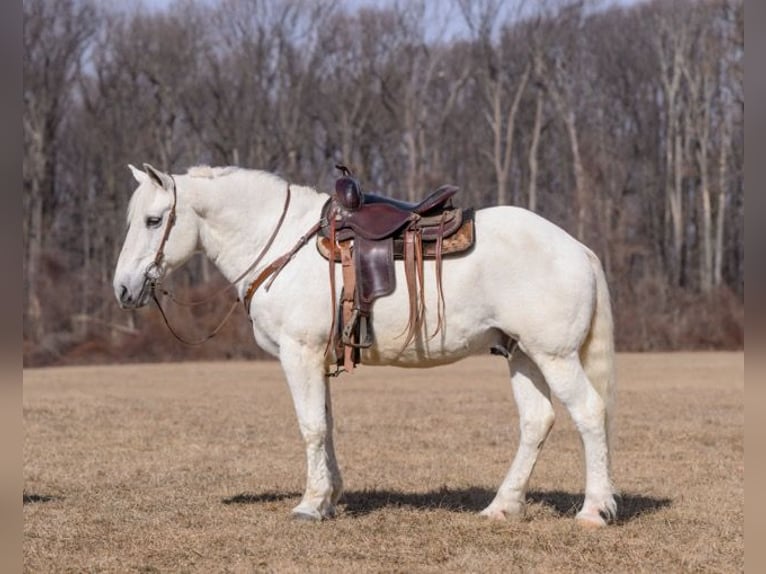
343,169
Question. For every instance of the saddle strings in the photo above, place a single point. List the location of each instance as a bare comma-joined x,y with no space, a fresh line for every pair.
440,306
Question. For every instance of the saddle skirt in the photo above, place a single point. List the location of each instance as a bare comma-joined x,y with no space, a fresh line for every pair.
457,239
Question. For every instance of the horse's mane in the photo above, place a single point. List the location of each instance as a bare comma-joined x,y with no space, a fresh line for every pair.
208,172
211,172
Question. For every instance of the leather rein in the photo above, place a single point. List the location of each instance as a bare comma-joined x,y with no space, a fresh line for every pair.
152,273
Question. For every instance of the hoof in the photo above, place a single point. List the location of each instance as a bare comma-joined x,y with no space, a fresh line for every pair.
493,514
306,516
501,514
590,521
309,514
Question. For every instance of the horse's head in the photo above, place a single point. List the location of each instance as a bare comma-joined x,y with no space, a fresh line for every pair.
161,236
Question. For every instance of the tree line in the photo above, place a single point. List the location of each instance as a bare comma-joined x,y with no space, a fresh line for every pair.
624,125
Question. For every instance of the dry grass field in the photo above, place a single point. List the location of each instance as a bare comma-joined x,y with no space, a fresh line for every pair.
195,466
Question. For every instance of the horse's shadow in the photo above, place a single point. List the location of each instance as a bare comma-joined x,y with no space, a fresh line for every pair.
31,498
473,499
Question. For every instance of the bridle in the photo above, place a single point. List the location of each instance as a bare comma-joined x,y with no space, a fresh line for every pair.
152,274
160,255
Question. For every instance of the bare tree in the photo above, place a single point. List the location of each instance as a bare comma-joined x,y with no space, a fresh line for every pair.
502,82
671,45
623,124
56,33
560,75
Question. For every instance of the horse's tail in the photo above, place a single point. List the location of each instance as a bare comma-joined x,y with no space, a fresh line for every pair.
597,352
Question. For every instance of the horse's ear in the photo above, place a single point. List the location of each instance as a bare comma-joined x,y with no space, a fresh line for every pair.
159,178
139,175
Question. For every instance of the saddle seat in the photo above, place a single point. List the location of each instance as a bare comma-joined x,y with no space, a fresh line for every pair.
437,200
379,217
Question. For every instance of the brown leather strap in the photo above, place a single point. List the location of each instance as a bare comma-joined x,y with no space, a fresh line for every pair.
274,268
349,288
421,286
259,280
410,276
334,323
160,255
185,341
440,310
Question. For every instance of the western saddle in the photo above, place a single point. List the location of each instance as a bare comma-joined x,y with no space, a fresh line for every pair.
366,233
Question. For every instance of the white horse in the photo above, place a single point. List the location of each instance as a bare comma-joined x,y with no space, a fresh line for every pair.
526,280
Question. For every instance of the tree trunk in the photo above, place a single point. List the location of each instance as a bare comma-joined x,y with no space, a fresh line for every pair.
579,174
533,164
36,162
670,61
676,208
723,176
706,266
34,256
503,138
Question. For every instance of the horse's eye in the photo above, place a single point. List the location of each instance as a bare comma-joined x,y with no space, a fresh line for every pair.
153,221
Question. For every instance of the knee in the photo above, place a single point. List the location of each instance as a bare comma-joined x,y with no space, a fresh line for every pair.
314,435
536,428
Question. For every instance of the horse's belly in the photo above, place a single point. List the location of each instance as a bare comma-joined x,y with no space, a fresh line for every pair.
424,353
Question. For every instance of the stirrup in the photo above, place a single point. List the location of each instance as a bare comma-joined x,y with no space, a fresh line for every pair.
365,335
347,335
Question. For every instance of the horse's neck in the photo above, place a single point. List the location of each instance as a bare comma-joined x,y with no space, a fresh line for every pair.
239,213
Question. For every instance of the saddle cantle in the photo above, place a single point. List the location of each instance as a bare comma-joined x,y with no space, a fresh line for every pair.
366,233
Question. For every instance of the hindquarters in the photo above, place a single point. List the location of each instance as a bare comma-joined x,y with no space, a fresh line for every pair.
557,307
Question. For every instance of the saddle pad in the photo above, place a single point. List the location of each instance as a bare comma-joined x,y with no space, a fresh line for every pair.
459,242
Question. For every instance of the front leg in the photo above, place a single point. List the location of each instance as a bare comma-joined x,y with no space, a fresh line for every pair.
304,368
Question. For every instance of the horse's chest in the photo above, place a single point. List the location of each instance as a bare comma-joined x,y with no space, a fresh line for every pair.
263,336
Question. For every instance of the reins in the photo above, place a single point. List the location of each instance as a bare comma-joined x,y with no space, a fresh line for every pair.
275,267
206,338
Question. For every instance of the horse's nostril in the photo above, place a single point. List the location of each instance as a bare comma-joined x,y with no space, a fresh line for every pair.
124,294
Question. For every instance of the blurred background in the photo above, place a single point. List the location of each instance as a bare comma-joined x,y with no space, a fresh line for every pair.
622,122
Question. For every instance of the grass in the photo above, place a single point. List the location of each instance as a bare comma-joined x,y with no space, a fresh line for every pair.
195,466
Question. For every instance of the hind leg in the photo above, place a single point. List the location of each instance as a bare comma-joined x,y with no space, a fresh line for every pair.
568,381
535,420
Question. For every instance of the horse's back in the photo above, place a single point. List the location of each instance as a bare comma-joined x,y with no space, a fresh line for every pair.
522,230
518,247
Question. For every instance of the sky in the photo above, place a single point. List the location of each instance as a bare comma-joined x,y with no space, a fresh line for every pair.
160,4
446,23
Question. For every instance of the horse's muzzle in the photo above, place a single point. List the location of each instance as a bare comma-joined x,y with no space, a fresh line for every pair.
128,300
